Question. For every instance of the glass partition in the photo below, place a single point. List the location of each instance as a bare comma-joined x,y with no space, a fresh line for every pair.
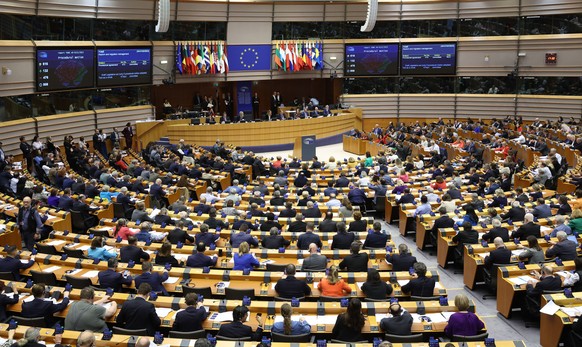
488,26
487,85
550,85
15,107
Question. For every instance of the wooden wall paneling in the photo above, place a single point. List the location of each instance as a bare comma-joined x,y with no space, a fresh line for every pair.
357,12
68,8
74,124
414,106
471,53
374,106
388,11
547,7
252,12
196,11
550,107
23,7
488,8
298,12
126,9
11,131
18,56
568,47
485,105
429,10
335,12
107,119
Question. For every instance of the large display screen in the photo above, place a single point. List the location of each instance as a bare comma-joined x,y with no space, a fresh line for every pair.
428,59
64,68
371,59
124,66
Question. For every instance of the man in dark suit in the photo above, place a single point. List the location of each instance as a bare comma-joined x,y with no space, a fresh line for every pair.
11,263
270,223
496,231
199,259
291,287
542,210
343,239
79,205
544,281
356,261
179,235
289,211
308,237
444,221
419,285
66,202
6,299
91,189
406,198
237,238
132,252
125,200
377,239
157,193
274,240
399,324
277,200
402,261
298,226
500,255
312,211
139,313
110,278
237,329
516,213
563,249
528,228
328,225
79,186
342,181
192,317
39,307
154,279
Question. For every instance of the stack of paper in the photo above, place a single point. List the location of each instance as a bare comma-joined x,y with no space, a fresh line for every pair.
56,242
570,311
154,213
327,319
51,269
550,308
516,252
311,320
225,317
403,282
90,274
171,280
520,280
163,311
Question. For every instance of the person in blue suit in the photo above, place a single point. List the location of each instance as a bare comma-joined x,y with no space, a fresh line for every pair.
66,202
11,263
199,259
192,317
38,307
243,259
377,239
154,279
110,278
237,329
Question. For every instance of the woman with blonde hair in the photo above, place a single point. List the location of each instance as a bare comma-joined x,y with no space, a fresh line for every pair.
352,162
288,326
346,210
332,285
463,322
331,164
243,259
576,220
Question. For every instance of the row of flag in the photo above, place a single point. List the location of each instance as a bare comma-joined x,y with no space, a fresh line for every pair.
299,55
196,58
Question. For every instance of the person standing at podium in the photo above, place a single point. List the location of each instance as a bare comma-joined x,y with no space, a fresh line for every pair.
256,104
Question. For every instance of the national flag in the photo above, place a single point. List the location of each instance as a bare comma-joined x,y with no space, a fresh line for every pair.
308,64
281,53
211,60
179,58
289,58
206,62
191,60
299,54
219,57
313,59
184,57
277,58
296,57
225,58
199,58
194,57
319,55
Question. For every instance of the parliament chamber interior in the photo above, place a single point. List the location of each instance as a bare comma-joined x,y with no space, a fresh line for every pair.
364,173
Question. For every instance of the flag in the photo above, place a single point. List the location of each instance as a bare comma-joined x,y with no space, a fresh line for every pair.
184,56
225,58
282,57
206,62
199,58
277,58
250,57
220,60
313,59
191,60
308,64
211,60
320,56
194,57
296,57
288,58
179,59
299,54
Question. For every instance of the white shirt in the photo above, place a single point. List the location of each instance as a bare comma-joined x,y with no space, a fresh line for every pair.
520,139
209,198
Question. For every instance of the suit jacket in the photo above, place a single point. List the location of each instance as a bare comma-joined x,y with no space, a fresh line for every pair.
307,238
399,325
327,226
442,222
134,253
154,279
291,287
290,213
355,262
190,319
496,232
525,230
274,242
515,214
315,262
6,300
112,279
40,308
139,314
542,211
179,235
565,250
125,201
498,256
200,260
297,227
421,286
546,283
358,225
343,240
9,264
237,330
313,212
267,225
65,203
376,240
401,262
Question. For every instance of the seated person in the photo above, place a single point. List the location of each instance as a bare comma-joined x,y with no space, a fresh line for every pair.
356,261
374,287
399,324
288,326
39,307
290,286
332,285
463,322
192,317
237,329
377,239
419,285
348,326
402,261
132,252
274,240
243,259
199,259
164,256
98,251
139,313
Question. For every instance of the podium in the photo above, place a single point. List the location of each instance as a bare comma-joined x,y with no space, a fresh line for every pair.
304,147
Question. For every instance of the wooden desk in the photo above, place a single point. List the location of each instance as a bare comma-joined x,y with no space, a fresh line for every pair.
354,145
553,328
508,292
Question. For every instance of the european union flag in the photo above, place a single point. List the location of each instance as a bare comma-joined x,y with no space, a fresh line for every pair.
249,57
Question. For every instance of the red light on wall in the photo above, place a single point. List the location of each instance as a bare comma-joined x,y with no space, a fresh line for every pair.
551,58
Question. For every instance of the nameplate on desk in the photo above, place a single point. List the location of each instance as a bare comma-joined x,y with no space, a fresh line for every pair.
216,325
373,328
268,327
178,288
321,328
166,322
264,292
427,327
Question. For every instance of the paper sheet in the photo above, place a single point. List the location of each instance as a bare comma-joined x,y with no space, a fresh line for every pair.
171,280
163,311
327,319
51,269
519,280
84,248
225,317
90,274
403,282
360,284
74,272
570,311
56,242
154,213
447,315
311,320
516,252
550,308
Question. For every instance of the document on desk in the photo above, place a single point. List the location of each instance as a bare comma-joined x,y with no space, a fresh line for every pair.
56,242
83,248
483,255
516,252
311,320
380,316
51,269
154,213
360,284
403,282
519,280
326,319
570,311
447,315
163,311
224,317
89,274
171,280
550,308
